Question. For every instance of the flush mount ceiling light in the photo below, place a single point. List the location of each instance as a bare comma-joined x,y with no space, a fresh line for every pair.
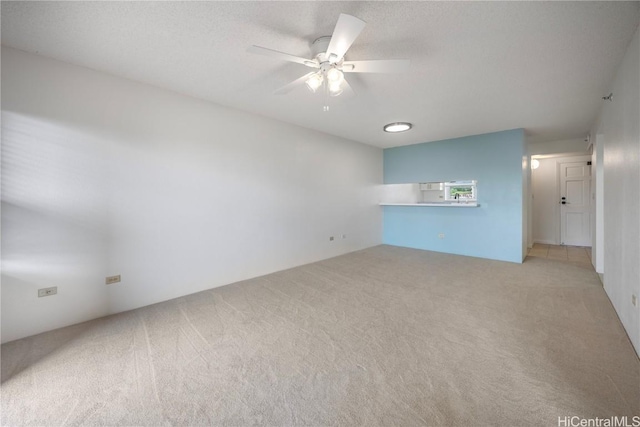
397,127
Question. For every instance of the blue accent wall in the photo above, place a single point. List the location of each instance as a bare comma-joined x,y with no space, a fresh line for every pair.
493,230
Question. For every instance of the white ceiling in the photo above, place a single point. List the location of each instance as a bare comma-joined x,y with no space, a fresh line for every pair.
476,67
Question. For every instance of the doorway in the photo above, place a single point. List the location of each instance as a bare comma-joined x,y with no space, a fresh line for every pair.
555,222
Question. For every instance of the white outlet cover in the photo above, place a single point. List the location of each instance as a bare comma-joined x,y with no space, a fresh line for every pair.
45,292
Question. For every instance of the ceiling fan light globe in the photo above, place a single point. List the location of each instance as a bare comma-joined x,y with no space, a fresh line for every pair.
314,82
335,88
334,75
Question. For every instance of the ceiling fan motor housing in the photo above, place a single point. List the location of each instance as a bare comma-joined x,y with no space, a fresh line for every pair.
319,48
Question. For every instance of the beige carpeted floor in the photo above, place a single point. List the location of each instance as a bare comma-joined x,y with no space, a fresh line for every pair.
384,336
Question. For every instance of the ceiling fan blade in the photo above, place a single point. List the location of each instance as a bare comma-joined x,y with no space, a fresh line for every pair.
347,29
297,82
376,66
284,56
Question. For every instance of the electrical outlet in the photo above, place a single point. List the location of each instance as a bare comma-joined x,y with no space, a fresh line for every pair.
112,279
441,236
634,300
331,238
45,292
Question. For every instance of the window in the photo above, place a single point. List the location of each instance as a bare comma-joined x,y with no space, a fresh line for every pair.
461,190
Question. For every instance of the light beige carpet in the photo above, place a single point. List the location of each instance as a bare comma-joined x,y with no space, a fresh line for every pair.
385,336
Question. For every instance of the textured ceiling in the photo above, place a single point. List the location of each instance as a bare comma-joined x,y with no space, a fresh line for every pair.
476,67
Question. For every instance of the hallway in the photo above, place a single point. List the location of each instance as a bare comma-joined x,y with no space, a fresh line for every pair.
575,255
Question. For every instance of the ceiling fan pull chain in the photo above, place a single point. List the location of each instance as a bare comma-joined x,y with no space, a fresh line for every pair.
325,108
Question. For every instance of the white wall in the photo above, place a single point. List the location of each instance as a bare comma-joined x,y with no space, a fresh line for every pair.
544,188
565,146
619,126
105,176
526,205
597,209
400,193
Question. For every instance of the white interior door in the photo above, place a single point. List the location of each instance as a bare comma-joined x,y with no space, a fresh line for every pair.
575,203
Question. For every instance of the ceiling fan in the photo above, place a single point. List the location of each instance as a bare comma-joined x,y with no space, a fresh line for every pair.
329,63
